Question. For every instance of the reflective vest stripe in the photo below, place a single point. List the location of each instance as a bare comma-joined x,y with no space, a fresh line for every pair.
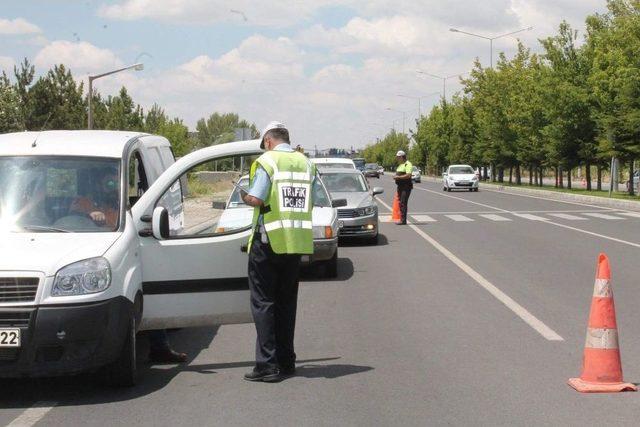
268,160
292,176
288,223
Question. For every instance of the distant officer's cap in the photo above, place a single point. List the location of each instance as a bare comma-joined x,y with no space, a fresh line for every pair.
401,154
270,126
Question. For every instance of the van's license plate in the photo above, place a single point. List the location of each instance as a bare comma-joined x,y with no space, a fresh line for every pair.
10,337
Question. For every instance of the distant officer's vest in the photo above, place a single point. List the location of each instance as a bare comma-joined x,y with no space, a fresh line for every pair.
287,210
406,167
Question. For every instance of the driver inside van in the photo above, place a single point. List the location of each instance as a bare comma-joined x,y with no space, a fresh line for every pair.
101,204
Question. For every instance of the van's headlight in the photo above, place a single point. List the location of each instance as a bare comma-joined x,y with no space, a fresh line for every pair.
83,277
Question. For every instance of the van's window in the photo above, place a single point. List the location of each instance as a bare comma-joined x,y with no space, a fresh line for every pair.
138,182
209,204
59,194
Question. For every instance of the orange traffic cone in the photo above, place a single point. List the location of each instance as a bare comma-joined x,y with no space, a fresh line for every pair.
395,213
601,365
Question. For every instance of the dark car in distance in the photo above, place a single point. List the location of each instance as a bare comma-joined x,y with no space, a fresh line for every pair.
372,170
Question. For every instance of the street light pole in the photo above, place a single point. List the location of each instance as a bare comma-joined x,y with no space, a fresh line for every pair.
443,78
491,39
403,117
137,67
419,98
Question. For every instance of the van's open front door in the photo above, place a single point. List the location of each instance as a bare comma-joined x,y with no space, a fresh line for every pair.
196,274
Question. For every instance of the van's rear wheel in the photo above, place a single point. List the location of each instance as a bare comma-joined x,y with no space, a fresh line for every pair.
123,371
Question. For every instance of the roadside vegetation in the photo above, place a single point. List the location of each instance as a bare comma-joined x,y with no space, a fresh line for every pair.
55,100
576,105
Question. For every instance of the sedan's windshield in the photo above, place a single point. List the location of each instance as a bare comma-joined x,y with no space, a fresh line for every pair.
371,166
334,166
344,182
460,170
59,194
320,196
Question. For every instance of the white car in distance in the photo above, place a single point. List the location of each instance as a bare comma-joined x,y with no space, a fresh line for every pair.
459,177
333,163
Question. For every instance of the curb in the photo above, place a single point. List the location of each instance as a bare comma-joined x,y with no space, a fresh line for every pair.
555,195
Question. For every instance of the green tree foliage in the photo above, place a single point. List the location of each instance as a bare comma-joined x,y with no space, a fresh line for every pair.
384,151
219,128
10,114
56,102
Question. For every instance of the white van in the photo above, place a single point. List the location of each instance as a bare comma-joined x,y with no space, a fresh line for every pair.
102,234
333,163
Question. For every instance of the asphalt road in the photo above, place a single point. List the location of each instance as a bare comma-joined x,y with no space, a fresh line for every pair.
474,319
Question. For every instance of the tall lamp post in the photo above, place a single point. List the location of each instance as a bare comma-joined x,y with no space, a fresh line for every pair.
404,115
491,39
419,98
443,78
137,67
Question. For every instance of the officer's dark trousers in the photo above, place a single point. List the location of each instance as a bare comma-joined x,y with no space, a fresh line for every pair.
403,195
273,282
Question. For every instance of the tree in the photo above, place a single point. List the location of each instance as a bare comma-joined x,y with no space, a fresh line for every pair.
10,112
24,80
123,113
219,128
56,101
615,79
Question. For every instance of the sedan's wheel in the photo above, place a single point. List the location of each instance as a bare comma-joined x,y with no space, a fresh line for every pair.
449,189
470,190
123,371
331,266
444,188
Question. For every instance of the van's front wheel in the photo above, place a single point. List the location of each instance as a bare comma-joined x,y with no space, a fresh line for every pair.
123,371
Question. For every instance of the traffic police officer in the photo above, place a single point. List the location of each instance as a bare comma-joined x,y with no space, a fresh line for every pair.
404,183
280,192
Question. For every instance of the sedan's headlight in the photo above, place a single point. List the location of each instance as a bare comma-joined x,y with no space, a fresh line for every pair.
83,277
366,211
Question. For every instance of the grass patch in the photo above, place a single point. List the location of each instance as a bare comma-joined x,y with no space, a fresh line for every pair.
582,191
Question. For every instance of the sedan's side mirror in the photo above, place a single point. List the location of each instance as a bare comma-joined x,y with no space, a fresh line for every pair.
444,174
160,223
338,203
378,190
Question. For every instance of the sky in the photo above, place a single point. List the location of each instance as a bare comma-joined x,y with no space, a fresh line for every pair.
331,70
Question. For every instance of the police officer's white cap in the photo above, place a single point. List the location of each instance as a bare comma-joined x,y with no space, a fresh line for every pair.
401,154
270,126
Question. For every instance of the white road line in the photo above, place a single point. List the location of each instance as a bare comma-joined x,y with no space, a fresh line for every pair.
546,221
519,310
550,199
569,217
32,415
631,214
494,217
385,218
531,217
422,218
603,216
459,218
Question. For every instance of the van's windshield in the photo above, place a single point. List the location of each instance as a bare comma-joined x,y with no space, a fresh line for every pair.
59,194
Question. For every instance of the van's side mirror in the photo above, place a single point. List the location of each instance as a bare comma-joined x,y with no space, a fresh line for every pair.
378,190
338,203
160,223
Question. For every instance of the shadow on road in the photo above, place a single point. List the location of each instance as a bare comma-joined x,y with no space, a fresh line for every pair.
354,242
315,273
330,371
87,389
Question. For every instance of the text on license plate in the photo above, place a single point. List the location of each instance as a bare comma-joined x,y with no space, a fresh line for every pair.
10,337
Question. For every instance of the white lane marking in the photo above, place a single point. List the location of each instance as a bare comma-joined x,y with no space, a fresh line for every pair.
569,217
519,310
494,217
385,218
546,221
603,216
531,217
550,199
33,414
422,218
459,218
631,214
511,304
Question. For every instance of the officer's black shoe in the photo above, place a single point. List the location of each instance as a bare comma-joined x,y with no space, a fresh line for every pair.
267,375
